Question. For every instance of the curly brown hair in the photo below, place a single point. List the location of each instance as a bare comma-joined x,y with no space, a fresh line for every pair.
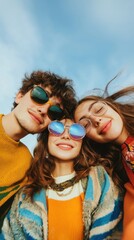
40,172
59,86
110,153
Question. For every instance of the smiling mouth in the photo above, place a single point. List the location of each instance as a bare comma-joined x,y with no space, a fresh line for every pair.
35,117
106,127
64,146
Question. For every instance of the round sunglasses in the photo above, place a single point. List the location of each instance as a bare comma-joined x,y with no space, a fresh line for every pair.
76,130
39,95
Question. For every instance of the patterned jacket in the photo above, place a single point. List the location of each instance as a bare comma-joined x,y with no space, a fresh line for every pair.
102,211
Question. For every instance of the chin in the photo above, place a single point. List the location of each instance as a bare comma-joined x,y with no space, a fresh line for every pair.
64,158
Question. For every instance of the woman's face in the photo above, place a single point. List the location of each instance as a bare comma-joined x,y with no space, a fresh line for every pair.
105,123
63,146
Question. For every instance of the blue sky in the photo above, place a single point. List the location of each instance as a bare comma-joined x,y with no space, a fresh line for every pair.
89,41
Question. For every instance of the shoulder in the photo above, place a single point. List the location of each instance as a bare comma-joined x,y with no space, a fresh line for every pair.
20,197
99,172
100,180
23,201
24,148
25,218
100,187
24,207
24,155
128,143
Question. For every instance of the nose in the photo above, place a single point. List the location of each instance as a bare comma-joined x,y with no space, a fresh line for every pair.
43,108
65,134
95,120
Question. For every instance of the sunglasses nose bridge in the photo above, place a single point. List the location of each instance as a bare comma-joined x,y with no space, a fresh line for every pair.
49,102
66,134
44,107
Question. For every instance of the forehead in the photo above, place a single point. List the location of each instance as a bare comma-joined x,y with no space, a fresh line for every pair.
83,108
67,121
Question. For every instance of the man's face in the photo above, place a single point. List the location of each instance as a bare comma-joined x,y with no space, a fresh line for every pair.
31,116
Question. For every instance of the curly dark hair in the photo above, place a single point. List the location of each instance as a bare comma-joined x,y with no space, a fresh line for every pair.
59,86
110,153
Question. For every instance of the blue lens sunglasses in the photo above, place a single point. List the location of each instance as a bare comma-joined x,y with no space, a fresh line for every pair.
76,130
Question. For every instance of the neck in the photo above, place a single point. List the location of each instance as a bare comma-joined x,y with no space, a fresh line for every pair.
12,128
63,168
123,136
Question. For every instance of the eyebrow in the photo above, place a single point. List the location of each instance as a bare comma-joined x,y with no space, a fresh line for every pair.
90,107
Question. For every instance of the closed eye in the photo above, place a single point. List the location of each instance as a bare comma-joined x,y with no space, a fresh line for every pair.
99,110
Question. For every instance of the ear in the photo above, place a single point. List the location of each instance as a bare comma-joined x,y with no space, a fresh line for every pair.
18,97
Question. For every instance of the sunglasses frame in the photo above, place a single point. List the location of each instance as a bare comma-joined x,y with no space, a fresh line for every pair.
38,99
106,106
50,111
64,128
89,121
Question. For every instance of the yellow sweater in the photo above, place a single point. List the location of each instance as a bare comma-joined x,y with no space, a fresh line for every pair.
15,159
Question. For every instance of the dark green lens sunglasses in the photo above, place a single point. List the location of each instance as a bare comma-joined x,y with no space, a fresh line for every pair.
39,95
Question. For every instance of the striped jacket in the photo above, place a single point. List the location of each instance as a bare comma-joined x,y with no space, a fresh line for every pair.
102,211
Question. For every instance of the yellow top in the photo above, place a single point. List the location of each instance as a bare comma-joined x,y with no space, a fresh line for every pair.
65,219
15,159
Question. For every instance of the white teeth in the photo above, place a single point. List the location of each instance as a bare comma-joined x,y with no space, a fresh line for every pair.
64,145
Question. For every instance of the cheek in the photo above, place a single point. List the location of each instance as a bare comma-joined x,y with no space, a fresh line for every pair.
79,145
50,144
118,124
92,134
47,120
119,119
78,148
